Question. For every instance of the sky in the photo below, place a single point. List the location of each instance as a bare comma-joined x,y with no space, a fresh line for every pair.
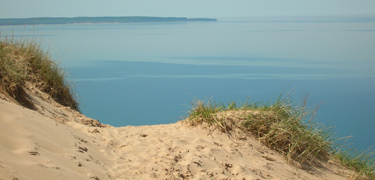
184,8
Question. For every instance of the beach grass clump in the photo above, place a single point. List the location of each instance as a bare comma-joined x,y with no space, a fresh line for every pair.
204,111
22,64
281,126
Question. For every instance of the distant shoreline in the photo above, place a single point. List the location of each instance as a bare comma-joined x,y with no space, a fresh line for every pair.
95,20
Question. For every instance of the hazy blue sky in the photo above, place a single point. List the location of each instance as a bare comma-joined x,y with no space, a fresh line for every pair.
183,8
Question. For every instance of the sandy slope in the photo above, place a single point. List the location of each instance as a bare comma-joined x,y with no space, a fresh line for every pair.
59,143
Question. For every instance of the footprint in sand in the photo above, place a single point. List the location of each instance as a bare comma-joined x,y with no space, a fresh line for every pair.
82,149
34,153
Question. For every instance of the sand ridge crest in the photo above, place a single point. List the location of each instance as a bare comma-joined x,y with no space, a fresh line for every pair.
56,142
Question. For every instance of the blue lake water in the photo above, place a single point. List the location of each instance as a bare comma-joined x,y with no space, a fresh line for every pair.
149,73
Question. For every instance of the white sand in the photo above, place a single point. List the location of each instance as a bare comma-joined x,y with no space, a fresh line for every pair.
59,143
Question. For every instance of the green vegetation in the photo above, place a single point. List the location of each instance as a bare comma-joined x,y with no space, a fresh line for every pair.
361,162
63,20
284,128
24,64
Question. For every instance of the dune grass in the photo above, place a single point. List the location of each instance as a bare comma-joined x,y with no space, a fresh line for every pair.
362,162
284,128
24,63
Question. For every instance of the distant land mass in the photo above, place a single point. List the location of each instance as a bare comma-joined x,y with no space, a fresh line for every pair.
81,20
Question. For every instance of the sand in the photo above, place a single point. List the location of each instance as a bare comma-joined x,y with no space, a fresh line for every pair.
56,142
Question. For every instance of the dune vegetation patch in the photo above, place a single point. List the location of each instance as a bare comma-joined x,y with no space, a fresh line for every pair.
283,127
22,64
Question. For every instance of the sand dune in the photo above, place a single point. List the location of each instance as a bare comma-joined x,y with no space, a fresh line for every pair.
56,142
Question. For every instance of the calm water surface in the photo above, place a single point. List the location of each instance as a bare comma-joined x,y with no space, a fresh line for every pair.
148,73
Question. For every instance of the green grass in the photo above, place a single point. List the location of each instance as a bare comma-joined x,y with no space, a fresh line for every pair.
362,162
284,128
22,64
